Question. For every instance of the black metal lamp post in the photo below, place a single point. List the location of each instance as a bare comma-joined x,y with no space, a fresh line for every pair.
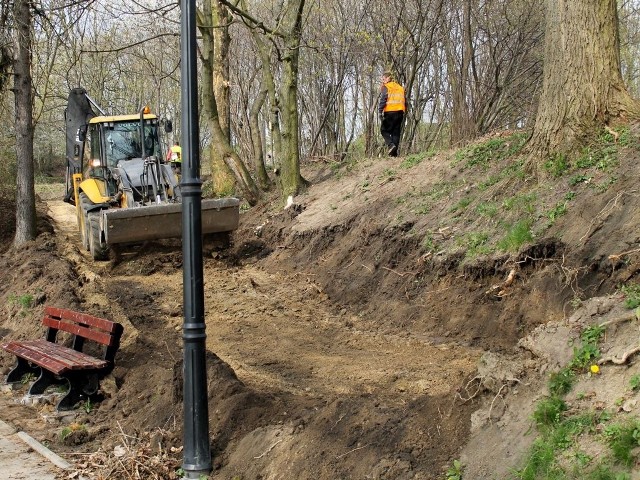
197,452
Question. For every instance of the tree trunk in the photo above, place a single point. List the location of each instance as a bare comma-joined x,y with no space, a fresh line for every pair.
222,40
582,88
25,195
222,177
290,179
256,139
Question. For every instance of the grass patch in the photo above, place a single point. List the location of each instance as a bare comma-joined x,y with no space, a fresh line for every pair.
517,235
461,205
475,243
631,291
557,165
416,158
494,149
623,439
555,454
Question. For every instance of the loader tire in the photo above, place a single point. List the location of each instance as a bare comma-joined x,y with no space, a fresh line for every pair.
83,222
97,246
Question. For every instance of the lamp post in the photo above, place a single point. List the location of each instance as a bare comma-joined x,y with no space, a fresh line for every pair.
197,451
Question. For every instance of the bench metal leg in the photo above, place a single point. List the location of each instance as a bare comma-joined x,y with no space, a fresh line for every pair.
73,396
45,379
21,369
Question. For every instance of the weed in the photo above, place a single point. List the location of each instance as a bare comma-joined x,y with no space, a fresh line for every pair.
516,236
492,180
604,186
428,244
486,209
623,439
634,382
631,291
87,406
461,205
475,243
520,203
68,430
454,472
557,165
25,301
560,383
415,159
549,411
588,351
27,378
479,155
388,173
556,212
576,179
423,208
576,302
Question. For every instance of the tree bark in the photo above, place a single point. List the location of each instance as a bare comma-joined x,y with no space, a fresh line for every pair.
213,84
291,180
582,87
256,139
25,194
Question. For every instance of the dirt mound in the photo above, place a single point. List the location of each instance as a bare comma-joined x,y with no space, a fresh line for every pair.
368,331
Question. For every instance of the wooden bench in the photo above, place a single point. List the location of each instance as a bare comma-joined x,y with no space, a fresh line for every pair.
54,363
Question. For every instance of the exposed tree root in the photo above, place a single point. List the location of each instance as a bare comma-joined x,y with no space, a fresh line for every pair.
625,356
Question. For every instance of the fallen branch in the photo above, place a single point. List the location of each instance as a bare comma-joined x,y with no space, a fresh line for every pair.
400,274
268,450
351,451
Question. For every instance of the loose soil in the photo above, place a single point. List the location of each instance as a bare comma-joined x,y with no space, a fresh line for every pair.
339,344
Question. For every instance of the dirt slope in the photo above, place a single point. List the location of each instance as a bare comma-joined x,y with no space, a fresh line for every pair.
349,336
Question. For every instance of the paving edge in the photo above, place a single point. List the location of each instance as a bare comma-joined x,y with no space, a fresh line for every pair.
44,451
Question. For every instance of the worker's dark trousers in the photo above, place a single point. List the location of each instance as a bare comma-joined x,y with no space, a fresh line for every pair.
391,129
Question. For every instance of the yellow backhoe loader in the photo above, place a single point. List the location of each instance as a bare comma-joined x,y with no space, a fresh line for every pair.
123,189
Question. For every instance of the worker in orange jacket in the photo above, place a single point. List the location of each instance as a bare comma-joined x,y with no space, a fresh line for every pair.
391,108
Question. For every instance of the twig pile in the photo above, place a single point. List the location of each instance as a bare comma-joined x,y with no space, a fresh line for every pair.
144,456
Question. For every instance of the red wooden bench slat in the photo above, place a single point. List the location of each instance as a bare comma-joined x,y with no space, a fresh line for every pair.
54,357
35,357
68,356
77,317
95,335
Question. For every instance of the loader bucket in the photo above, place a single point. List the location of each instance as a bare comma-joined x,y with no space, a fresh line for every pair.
127,225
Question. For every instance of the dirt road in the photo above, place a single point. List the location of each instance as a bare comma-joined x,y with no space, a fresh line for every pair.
310,378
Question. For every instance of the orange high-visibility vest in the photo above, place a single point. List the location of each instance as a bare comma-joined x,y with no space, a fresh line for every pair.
395,98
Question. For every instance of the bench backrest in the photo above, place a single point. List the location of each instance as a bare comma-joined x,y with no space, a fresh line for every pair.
83,326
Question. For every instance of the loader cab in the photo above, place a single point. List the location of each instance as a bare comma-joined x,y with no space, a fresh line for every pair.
116,139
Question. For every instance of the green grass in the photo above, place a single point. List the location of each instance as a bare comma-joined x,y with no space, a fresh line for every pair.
517,235
623,439
631,291
557,165
416,158
494,149
25,301
462,204
549,411
556,453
